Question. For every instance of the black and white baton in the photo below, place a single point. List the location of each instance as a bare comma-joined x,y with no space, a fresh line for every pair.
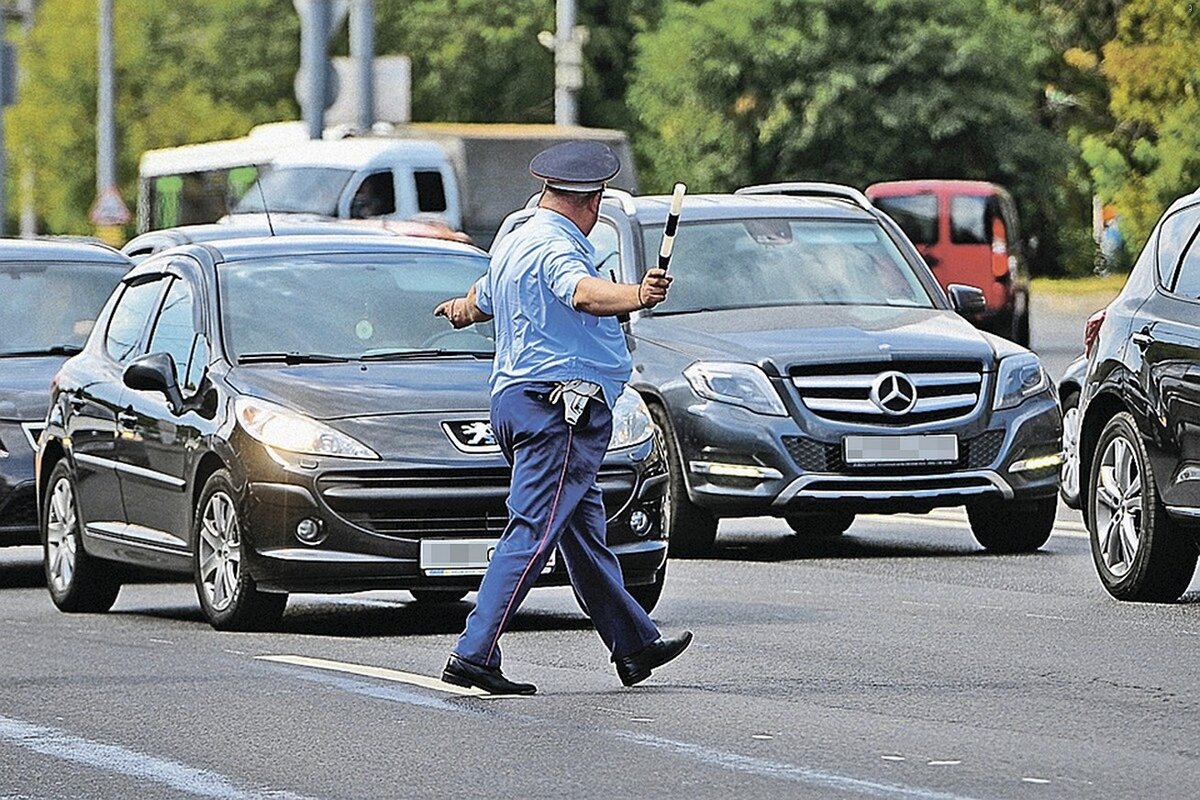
668,239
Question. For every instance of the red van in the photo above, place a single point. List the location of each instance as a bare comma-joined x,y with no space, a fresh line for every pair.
968,233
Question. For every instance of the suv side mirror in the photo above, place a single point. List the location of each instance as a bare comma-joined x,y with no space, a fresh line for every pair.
155,372
967,300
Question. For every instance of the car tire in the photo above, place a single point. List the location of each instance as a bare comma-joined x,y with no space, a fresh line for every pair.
78,582
437,596
228,595
1139,553
647,594
824,525
1012,526
690,530
1069,478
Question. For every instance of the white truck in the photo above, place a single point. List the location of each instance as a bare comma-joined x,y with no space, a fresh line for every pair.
469,176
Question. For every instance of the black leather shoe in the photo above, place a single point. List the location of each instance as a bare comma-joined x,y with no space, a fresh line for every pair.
636,668
461,672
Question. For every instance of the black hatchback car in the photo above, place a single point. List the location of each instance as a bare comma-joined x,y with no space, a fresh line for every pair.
287,415
50,294
1139,438
807,365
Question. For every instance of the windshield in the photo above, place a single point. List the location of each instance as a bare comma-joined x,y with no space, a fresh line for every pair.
49,307
296,190
779,262
340,307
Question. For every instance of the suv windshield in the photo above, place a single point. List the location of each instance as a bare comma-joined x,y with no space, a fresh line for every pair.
297,190
781,262
49,307
306,308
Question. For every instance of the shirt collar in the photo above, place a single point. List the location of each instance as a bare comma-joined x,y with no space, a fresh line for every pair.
551,217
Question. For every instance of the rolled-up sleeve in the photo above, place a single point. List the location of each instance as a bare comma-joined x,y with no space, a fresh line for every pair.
483,294
563,273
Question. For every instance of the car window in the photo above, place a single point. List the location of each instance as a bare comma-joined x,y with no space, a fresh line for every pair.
970,222
128,319
758,263
46,306
174,329
607,242
299,190
1173,236
376,197
431,194
1187,281
917,215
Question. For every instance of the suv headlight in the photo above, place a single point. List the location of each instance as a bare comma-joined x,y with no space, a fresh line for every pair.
282,429
742,385
1019,377
632,423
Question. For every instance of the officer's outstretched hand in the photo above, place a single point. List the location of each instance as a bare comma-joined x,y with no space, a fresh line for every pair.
458,311
653,288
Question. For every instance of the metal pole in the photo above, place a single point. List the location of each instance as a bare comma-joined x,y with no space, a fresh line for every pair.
3,113
362,48
106,132
564,94
314,55
28,179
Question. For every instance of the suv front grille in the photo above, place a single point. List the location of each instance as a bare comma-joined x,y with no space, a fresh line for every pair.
945,390
813,456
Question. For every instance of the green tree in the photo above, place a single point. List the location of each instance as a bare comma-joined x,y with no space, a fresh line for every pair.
731,92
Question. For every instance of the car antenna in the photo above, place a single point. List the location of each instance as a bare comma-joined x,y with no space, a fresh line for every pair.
266,211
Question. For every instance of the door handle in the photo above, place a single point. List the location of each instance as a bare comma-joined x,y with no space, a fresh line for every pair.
1143,338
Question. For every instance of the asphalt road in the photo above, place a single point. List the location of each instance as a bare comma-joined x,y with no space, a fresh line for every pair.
897,661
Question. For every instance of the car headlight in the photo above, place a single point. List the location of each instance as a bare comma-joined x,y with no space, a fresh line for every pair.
282,429
1020,377
742,385
632,423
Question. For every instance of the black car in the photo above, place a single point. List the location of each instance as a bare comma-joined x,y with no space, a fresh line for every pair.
807,365
287,415
1070,387
1139,440
50,294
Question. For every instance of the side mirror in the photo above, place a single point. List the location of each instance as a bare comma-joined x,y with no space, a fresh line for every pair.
155,372
967,300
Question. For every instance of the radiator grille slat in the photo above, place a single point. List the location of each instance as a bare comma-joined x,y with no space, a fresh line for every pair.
946,390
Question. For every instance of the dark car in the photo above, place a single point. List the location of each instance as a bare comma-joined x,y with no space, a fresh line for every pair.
1139,442
806,365
1070,387
968,232
250,226
287,415
50,294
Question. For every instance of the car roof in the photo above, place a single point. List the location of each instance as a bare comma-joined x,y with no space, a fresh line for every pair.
707,207
926,185
254,228
361,153
272,247
60,250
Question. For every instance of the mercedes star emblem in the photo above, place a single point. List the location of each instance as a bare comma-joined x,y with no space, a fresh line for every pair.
894,393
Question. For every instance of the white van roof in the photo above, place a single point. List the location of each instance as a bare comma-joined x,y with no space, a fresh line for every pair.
261,146
361,153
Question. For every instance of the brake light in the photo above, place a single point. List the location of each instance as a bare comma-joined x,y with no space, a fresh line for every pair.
1000,266
1091,330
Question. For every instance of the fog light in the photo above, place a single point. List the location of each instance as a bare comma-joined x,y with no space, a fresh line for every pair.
309,531
1036,463
639,521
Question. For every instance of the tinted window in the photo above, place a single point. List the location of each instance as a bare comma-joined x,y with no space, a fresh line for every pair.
917,215
969,220
777,262
1173,236
129,319
300,190
1187,283
347,306
49,305
174,330
376,196
431,195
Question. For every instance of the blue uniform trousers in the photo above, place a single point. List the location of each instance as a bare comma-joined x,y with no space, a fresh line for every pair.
554,501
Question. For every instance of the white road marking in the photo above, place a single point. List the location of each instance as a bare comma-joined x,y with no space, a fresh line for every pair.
123,761
1064,529
944,763
395,675
892,758
762,737
1035,780
1051,617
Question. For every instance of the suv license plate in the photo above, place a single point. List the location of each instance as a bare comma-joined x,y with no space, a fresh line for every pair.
451,557
916,449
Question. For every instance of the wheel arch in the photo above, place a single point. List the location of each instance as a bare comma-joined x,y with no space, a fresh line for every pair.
1100,409
209,463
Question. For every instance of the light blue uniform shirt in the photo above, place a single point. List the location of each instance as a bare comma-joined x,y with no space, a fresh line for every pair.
539,336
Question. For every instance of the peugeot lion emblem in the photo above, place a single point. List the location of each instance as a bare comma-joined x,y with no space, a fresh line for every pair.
894,393
472,436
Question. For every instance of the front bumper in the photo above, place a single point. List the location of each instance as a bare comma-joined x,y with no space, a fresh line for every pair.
800,468
18,492
374,515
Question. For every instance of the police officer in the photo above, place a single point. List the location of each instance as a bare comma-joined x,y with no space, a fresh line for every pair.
561,362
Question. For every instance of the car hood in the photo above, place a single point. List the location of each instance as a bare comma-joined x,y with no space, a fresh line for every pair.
786,336
356,389
25,386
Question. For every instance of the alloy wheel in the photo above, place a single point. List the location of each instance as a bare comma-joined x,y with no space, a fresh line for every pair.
220,551
60,535
1070,467
1119,506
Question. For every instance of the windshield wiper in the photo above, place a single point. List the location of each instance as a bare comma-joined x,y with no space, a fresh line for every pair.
291,358
54,350
404,355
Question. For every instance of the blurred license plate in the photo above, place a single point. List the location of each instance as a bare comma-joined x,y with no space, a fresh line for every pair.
917,449
445,557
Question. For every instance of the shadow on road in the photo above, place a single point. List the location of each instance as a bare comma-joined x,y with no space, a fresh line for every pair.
22,575
800,548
